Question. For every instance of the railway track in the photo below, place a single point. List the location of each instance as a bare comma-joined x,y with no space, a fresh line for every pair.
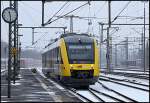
101,96
136,86
101,93
106,97
127,69
91,95
124,97
135,75
71,90
110,95
125,80
86,98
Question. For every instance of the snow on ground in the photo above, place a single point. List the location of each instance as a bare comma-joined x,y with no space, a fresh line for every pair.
141,96
134,85
40,71
98,87
130,71
143,81
25,68
106,99
138,95
88,95
2,70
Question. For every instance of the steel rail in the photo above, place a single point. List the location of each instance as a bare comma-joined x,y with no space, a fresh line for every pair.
117,92
135,75
125,80
96,95
124,84
118,100
136,70
74,91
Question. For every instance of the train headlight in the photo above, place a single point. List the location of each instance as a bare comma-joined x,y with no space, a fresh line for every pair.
92,66
71,66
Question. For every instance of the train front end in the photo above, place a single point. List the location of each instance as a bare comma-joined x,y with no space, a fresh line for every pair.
81,60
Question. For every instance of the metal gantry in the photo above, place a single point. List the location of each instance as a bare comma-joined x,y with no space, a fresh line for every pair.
15,44
50,20
128,50
35,27
108,54
12,47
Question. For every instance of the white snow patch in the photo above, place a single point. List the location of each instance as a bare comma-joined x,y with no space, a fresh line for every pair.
88,95
137,80
138,95
98,87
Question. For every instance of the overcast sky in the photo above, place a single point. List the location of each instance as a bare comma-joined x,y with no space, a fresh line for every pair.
30,15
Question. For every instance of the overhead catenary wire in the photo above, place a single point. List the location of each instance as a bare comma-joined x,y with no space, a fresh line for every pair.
101,8
80,11
67,5
34,44
30,17
37,42
121,11
66,13
58,11
41,37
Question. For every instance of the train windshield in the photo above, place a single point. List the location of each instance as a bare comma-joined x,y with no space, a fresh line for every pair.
81,53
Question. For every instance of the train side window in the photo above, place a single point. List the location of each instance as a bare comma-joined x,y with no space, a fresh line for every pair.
50,59
58,60
46,59
56,56
43,60
60,56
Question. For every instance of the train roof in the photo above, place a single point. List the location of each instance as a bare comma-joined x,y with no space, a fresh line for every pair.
82,38
66,35
73,34
70,37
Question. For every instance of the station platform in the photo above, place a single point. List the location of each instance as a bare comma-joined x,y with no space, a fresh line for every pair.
32,87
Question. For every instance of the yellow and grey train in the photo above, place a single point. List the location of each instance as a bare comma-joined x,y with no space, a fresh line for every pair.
73,59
